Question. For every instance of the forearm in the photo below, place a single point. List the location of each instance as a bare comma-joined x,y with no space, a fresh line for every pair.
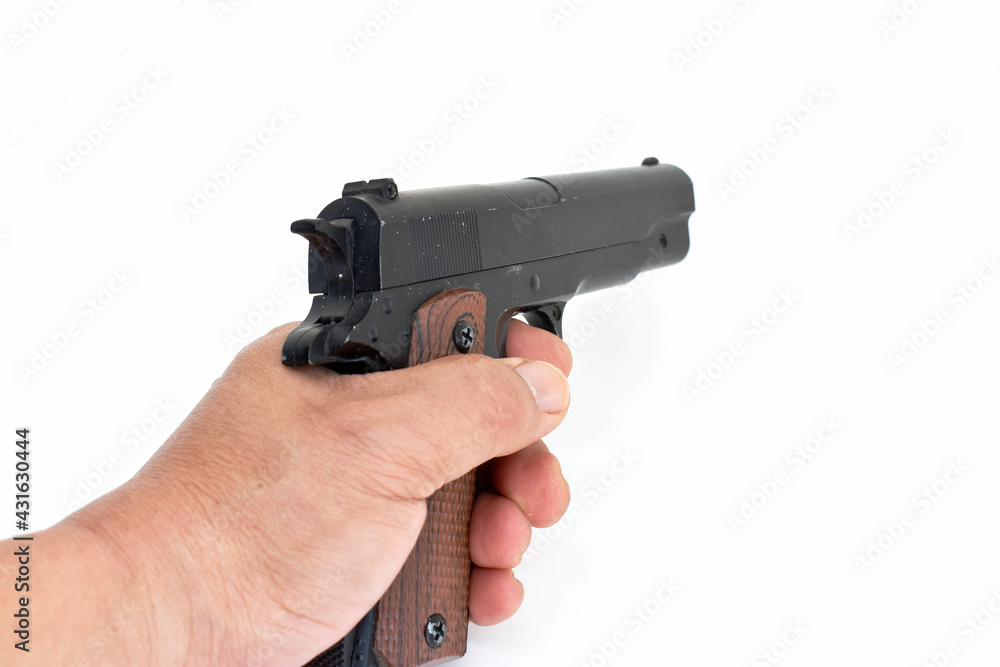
92,602
80,613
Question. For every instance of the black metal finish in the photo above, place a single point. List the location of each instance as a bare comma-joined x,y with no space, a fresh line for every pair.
435,631
464,337
377,254
354,650
382,188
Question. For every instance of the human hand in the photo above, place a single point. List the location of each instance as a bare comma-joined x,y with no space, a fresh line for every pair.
285,504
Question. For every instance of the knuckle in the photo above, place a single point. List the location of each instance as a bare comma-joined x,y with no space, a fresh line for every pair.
385,457
264,351
352,428
501,401
281,332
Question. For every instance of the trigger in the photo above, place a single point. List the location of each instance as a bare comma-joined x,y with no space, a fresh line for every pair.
548,317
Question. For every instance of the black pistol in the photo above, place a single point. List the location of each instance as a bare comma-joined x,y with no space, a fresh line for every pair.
401,278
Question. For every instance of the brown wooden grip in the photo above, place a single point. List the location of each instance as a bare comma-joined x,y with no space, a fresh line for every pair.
435,578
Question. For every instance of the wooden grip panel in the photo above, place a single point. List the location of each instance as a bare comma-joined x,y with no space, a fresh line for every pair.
434,582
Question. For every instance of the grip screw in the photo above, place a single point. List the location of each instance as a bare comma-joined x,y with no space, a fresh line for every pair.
464,336
435,631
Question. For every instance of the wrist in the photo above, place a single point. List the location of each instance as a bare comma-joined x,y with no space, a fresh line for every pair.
80,611
124,554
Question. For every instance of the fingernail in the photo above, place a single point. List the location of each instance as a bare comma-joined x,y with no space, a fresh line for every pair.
547,383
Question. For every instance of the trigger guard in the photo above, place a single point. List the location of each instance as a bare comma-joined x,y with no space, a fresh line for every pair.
547,317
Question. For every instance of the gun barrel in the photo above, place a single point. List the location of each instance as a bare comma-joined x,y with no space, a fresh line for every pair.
441,232
529,246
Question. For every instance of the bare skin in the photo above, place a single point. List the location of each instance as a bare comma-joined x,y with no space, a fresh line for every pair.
284,505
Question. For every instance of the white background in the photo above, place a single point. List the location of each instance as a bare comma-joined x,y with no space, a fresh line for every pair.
605,76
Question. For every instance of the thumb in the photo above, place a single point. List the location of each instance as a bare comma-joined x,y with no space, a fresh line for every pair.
421,427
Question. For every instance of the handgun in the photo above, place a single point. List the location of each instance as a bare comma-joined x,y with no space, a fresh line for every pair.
402,278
